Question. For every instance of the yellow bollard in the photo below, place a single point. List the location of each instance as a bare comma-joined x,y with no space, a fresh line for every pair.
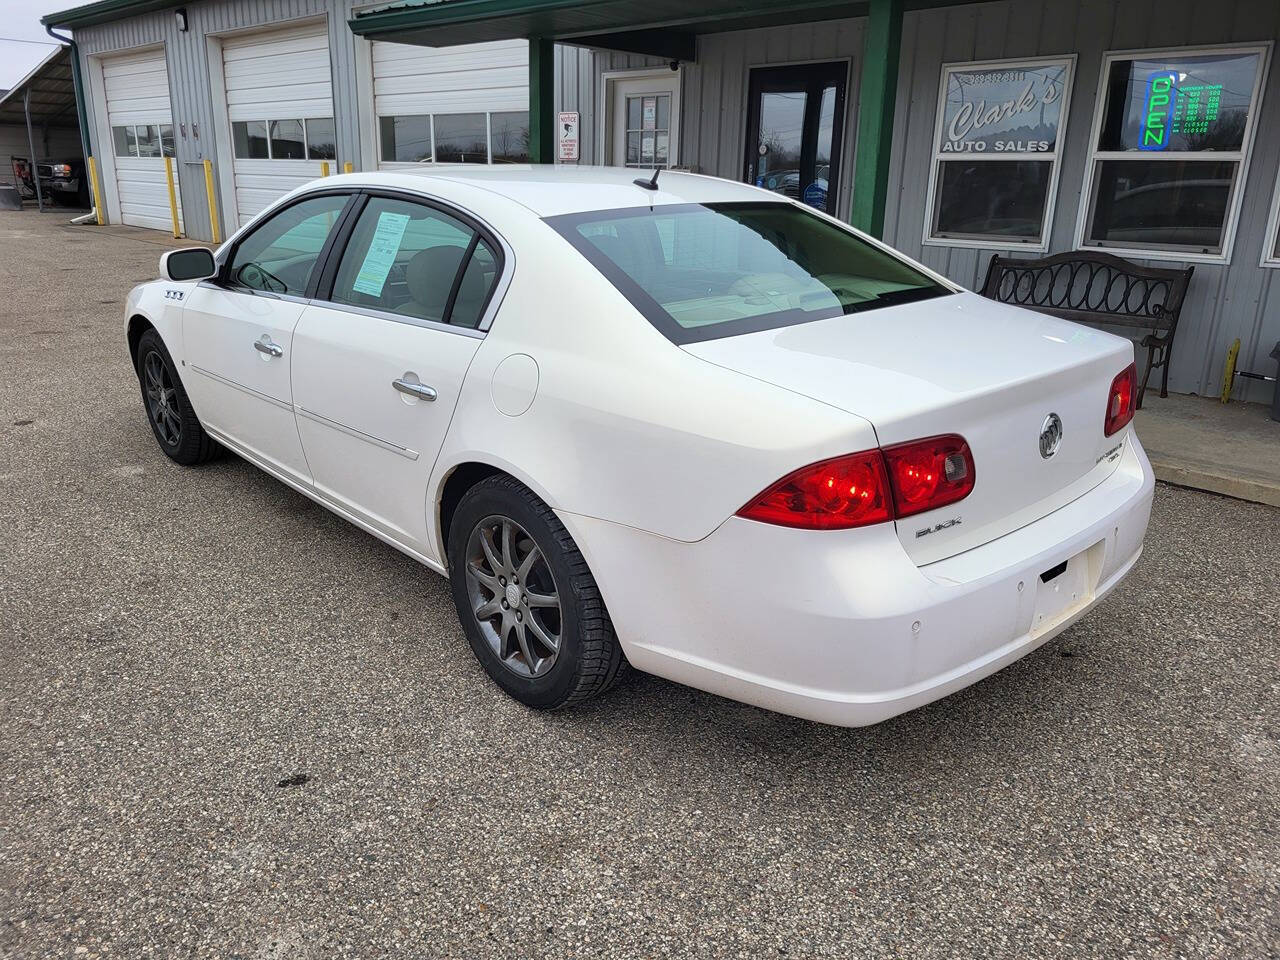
173,197
324,168
97,194
213,203
347,168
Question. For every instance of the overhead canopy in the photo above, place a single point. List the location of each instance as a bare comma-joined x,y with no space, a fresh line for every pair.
52,90
664,28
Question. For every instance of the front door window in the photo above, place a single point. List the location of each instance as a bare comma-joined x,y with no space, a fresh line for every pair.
795,128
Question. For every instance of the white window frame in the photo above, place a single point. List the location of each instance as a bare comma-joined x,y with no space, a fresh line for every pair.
1054,157
1271,239
1241,157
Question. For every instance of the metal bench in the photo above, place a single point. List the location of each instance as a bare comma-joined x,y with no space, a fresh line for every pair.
1098,288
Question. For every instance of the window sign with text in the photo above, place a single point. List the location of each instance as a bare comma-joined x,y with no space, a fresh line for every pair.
1169,150
996,150
1007,110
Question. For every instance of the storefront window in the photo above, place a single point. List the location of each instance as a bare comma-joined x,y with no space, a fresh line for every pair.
996,152
1170,147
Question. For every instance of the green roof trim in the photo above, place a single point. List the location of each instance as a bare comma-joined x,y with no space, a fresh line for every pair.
104,11
613,24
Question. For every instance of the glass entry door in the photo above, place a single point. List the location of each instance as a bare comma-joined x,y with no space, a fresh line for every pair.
795,126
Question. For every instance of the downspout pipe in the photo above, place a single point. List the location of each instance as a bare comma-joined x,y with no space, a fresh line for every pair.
77,81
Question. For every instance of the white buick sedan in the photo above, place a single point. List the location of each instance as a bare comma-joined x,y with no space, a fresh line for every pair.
693,426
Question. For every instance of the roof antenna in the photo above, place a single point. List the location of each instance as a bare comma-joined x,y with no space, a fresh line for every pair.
648,184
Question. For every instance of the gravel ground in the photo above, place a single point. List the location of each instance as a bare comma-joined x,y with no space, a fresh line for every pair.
232,725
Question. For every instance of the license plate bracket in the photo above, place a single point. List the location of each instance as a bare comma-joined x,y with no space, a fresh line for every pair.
1061,590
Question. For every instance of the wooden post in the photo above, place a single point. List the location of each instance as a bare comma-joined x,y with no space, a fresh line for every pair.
542,117
879,90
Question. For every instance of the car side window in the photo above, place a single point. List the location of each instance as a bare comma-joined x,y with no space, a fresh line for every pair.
280,254
416,261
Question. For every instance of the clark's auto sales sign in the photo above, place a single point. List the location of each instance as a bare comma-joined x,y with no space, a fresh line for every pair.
1005,108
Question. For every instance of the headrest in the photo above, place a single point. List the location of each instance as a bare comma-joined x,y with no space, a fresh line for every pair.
429,276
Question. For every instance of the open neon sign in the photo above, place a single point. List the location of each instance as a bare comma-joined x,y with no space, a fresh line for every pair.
1157,114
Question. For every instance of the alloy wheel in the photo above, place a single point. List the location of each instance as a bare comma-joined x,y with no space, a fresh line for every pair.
162,398
513,596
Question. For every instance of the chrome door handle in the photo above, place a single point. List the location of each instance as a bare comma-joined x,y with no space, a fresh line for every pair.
269,348
419,390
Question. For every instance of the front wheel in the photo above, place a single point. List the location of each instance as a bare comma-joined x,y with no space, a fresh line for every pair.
173,420
529,605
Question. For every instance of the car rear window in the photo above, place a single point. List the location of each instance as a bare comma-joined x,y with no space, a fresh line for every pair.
703,271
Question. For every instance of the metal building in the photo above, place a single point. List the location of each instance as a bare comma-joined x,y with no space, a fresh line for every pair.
955,129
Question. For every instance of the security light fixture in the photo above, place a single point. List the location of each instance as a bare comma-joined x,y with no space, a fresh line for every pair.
181,16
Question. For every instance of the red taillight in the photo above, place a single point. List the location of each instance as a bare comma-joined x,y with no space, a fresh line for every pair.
1120,400
850,491
869,487
930,473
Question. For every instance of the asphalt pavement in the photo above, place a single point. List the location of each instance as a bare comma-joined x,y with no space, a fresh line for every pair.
232,725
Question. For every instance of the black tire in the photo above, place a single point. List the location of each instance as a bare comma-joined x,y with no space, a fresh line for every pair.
174,423
589,660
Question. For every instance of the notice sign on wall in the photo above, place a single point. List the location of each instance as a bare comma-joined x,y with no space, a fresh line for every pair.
567,136
1016,108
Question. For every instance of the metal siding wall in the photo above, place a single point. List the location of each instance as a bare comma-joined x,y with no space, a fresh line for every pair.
714,121
1224,302
189,84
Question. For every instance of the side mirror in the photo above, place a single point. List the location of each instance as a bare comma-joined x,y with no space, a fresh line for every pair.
192,263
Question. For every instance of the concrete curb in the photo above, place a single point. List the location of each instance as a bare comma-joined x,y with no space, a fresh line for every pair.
1197,478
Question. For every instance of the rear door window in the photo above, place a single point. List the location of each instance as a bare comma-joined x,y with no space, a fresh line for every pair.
418,262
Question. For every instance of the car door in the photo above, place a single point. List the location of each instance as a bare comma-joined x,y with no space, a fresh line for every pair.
378,366
237,332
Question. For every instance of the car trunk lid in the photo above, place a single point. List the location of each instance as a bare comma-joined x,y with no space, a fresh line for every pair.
957,364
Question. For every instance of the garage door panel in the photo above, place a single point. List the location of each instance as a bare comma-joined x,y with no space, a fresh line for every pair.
295,100
455,101
399,59
475,78
137,92
276,75
504,78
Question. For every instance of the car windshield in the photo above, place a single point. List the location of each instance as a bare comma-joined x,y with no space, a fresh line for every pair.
703,271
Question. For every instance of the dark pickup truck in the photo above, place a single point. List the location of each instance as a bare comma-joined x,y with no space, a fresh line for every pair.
62,180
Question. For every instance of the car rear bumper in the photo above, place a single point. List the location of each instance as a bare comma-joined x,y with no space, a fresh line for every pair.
840,626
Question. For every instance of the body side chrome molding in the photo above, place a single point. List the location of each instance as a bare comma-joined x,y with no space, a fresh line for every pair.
353,432
241,387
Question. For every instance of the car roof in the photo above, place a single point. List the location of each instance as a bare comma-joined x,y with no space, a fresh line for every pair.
550,190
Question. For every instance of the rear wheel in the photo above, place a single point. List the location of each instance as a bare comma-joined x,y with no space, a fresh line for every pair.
527,601
169,411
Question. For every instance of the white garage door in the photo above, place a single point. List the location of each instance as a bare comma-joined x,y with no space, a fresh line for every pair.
454,104
280,104
137,95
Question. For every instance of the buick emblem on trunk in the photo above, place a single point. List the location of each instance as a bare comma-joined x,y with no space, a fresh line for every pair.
1050,435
